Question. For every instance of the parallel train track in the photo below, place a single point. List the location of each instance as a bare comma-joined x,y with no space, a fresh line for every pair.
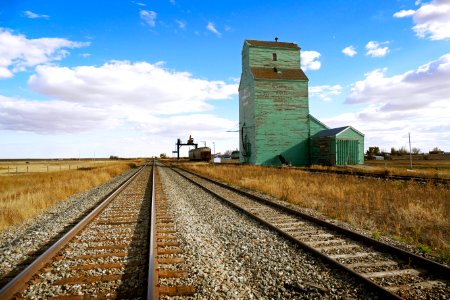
434,180
391,272
107,254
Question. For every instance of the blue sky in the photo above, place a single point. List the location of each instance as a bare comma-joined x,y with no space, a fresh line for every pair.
84,78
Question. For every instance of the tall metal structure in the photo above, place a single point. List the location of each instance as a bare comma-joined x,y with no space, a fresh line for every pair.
190,142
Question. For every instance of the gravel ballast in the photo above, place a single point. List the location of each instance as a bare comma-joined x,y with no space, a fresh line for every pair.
20,244
231,256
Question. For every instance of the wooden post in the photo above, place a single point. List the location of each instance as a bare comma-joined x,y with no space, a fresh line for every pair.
47,168
27,169
16,169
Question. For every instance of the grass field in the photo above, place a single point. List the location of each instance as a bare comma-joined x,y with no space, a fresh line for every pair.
418,214
44,166
24,195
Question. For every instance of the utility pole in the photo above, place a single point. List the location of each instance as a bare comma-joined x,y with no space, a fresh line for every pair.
410,153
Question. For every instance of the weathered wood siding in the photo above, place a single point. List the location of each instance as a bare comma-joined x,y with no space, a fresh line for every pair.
346,148
282,126
323,151
273,114
247,119
315,126
355,150
262,58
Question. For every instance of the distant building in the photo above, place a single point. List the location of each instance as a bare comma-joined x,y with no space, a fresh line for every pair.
275,124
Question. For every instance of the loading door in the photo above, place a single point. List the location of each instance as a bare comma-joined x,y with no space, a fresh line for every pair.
347,152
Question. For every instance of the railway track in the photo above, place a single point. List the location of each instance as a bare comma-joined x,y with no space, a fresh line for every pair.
389,271
107,254
434,180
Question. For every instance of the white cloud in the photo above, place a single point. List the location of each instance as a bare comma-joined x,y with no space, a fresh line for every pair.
411,90
416,101
325,92
140,84
32,15
349,51
46,117
149,17
211,27
309,60
17,53
140,95
181,24
5,73
432,19
404,13
375,49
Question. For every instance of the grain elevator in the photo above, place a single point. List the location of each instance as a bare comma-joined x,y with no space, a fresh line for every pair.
275,126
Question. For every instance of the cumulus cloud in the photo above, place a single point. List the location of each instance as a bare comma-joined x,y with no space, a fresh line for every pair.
141,84
325,92
349,51
51,116
432,19
416,101
211,27
32,15
148,17
309,60
375,49
17,53
414,89
141,95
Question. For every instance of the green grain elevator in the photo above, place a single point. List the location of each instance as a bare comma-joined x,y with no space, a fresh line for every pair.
274,121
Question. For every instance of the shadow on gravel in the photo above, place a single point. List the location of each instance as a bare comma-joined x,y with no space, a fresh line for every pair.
134,282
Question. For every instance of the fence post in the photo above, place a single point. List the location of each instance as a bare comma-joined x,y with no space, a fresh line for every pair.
47,168
27,169
16,169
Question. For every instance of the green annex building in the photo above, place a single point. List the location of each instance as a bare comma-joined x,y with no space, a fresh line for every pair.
275,125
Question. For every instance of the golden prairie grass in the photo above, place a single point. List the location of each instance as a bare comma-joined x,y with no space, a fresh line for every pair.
54,165
416,213
26,195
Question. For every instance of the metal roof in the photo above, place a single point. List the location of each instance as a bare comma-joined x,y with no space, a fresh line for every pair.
278,74
272,44
330,132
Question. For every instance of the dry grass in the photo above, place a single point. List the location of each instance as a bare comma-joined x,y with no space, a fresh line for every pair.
416,213
26,195
43,166
423,168
433,165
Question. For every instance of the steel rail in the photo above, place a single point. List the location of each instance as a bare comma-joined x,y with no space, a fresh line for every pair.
152,290
435,180
17,284
413,259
